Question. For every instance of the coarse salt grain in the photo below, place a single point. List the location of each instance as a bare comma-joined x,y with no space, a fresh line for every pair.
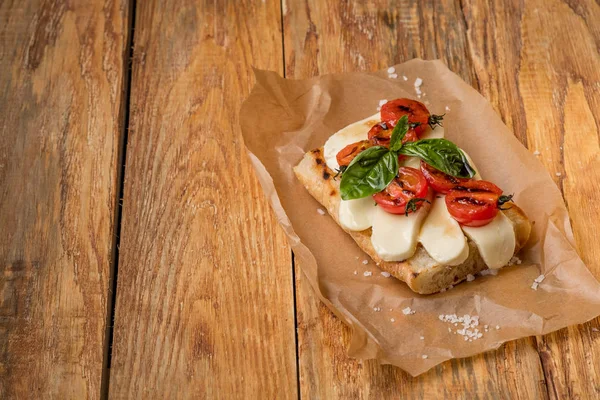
408,311
382,102
540,278
393,76
470,278
355,272
485,272
558,174
497,327
376,309
422,337
365,262
386,274
595,330
393,319
418,82
321,211
391,70
447,108
424,356
536,153
534,286
404,77
367,273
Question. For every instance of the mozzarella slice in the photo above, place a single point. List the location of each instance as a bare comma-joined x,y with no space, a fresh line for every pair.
394,237
495,241
477,177
345,136
442,237
357,215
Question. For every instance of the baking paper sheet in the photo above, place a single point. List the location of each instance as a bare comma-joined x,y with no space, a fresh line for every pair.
282,119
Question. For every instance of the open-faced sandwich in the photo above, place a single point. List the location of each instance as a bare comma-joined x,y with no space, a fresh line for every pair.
412,200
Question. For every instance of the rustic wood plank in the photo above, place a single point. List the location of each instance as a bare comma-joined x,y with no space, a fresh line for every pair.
205,292
538,61
323,37
62,68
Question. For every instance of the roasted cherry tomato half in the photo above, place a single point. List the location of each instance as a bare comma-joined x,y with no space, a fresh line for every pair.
473,203
345,156
438,180
408,184
381,134
416,111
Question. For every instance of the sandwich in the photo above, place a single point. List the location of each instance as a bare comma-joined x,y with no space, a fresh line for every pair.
413,200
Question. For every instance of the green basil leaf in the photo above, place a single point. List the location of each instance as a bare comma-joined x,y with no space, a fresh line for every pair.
441,154
398,133
370,172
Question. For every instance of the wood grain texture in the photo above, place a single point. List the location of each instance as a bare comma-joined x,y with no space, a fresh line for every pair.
538,62
325,37
205,291
61,107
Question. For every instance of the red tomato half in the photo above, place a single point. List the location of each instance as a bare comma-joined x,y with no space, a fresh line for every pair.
473,203
381,134
409,184
416,111
345,156
438,180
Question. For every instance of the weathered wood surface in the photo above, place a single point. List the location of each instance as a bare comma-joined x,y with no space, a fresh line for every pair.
205,291
537,62
205,303
61,117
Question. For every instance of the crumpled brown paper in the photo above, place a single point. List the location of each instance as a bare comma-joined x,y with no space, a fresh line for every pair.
282,119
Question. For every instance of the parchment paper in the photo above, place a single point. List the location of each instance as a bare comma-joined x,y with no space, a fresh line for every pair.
282,119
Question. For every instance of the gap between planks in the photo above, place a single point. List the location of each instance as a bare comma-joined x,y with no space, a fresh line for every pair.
121,160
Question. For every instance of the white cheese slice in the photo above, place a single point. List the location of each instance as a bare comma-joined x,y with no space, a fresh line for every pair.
437,133
442,237
345,136
394,237
495,241
357,215
477,177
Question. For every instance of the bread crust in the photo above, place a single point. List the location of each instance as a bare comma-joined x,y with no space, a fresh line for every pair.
420,272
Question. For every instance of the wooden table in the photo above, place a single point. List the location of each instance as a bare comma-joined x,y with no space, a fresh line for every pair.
139,257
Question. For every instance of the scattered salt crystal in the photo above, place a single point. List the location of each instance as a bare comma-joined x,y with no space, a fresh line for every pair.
365,262
418,82
450,330
540,278
595,330
447,108
320,211
558,174
393,76
393,319
422,337
408,311
497,327
404,77
485,326
367,273
391,70
536,153
382,102
424,356
355,273
535,285
443,290
386,274
514,260
376,309
470,278
466,338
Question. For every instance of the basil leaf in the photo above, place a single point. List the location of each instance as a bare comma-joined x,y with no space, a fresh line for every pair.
370,172
398,133
441,154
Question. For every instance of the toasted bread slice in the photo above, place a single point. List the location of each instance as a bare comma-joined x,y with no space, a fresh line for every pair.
420,272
